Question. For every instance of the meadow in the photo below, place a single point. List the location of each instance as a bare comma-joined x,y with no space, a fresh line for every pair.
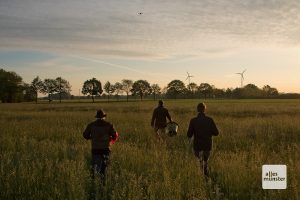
44,156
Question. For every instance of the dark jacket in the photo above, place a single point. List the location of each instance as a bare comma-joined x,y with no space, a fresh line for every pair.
159,117
101,133
202,128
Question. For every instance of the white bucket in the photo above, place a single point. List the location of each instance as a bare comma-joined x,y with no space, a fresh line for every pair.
172,128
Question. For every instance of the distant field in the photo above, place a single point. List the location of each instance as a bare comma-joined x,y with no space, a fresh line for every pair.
44,156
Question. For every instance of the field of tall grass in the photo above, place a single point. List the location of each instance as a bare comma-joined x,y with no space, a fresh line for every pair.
44,156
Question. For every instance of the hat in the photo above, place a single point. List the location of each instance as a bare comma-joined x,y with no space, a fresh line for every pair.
100,114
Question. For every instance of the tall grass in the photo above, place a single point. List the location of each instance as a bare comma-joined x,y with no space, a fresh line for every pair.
44,156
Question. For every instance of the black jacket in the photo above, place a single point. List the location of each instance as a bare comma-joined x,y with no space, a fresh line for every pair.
202,128
101,133
159,117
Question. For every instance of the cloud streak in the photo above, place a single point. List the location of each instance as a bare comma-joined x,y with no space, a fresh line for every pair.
124,67
167,28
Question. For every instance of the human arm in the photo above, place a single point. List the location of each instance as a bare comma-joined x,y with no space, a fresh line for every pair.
87,132
169,116
214,129
113,135
153,118
190,132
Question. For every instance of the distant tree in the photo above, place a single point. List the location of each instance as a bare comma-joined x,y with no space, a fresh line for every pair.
218,93
109,89
175,88
237,93
155,89
192,87
191,90
289,96
127,86
36,86
63,87
118,89
228,93
92,87
205,89
63,95
29,93
11,89
269,91
251,91
164,91
141,88
49,87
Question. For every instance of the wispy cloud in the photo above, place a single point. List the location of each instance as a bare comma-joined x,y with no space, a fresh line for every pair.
124,67
167,28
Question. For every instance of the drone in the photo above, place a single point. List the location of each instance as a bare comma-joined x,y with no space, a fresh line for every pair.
140,13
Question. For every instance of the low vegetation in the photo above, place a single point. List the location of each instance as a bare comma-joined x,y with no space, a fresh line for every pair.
44,156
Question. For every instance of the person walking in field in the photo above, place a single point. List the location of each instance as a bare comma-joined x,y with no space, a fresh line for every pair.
202,128
102,135
159,119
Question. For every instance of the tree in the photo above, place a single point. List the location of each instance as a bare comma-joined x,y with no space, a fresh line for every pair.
237,93
205,89
175,88
218,93
37,86
269,91
92,87
49,87
141,88
155,90
63,87
29,93
228,93
118,89
251,91
164,91
127,86
192,87
10,87
109,89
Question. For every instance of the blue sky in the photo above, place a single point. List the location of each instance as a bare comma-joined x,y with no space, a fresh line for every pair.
108,40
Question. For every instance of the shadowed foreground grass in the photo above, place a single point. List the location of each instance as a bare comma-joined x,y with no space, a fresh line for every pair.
44,156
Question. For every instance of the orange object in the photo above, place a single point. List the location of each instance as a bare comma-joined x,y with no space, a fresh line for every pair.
114,139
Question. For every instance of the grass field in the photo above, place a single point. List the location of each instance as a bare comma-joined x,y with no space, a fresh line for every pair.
44,156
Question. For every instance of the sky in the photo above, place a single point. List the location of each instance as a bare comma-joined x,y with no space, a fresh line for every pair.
109,40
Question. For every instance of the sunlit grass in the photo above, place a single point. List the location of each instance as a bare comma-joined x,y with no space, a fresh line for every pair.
44,156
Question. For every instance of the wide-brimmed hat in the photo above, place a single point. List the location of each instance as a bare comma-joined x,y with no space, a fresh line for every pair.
100,114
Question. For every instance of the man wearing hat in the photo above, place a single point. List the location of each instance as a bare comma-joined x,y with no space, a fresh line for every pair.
102,134
202,128
159,119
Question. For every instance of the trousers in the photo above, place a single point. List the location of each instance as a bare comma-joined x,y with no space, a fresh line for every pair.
99,164
203,157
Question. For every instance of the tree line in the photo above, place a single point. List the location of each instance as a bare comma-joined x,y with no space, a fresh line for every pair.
13,89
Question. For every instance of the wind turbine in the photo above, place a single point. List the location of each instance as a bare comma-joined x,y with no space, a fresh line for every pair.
242,77
189,77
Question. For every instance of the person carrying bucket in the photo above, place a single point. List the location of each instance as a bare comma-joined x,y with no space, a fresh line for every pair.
102,135
159,119
202,128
